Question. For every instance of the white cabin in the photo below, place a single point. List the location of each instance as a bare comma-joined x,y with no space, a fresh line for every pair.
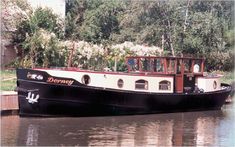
149,74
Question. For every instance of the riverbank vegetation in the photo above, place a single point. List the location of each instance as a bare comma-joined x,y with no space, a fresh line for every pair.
8,80
228,77
98,33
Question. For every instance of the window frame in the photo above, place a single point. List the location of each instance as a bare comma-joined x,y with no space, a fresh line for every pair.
84,81
120,85
141,82
167,84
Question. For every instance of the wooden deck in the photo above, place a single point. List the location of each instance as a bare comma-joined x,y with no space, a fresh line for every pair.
9,102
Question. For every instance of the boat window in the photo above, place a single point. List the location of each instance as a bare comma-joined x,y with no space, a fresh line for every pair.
146,64
187,66
141,84
158,65
133,64
179,62
215,85
120,83
196,67
165,85
171,66
86,79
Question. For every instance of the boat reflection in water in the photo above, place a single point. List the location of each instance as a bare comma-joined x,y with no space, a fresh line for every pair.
178,129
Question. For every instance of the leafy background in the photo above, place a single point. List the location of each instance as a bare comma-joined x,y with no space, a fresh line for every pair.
189,28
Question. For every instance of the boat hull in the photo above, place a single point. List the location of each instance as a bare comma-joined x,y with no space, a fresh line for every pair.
40,98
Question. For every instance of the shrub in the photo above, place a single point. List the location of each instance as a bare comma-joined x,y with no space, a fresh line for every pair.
220,61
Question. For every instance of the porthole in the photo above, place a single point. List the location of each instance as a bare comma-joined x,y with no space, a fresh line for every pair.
215,85
86,79
120,83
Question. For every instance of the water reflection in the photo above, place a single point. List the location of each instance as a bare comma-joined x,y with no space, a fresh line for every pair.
176,129
32,135
9,130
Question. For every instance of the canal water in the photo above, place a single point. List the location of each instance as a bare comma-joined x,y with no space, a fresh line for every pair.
205,128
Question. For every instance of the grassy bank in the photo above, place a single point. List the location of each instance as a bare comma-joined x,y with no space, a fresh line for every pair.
8,80
228,77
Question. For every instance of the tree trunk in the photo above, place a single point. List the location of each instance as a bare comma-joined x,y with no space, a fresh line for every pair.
186,16
115,63
185,25
163,42
71,56
171,42
32,56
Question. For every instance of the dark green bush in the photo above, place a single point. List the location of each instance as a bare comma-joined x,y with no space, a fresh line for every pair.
220,61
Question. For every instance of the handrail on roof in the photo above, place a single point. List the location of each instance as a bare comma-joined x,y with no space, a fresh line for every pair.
166,61
166,57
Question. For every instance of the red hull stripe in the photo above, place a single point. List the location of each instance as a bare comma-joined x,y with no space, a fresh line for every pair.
111,73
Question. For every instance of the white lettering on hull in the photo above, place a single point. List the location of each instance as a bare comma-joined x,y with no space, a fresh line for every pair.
31,98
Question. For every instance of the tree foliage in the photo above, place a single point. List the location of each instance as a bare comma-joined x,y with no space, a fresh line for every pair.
38,36
93,21
198,28
39,19
180,27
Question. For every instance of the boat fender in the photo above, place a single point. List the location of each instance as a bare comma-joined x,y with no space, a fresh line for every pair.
201,90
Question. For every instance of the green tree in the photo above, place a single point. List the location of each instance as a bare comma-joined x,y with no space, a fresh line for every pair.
100,21
198,28
38,36
91,20
40,18
75,10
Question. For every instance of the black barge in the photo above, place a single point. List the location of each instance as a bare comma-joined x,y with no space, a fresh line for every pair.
151,85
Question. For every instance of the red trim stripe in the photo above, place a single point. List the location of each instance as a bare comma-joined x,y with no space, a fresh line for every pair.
110,73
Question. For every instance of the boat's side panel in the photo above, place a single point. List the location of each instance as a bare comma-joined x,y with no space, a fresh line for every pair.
38,97
111,80
208,84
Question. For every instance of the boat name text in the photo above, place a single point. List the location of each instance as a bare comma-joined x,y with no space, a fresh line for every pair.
59,81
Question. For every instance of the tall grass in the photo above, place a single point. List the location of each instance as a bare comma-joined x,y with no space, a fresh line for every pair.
8,80
228,77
